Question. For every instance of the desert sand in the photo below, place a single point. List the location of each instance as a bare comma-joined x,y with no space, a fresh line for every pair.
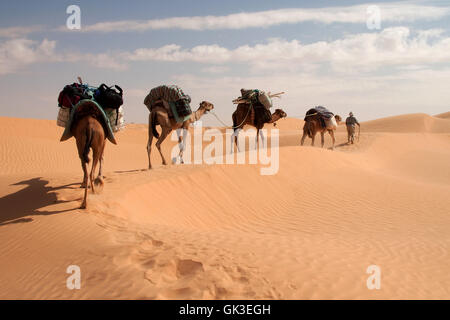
225,231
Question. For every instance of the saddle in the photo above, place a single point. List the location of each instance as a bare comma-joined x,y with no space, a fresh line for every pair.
92,108
326,117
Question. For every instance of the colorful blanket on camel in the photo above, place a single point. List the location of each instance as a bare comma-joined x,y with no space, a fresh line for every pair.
98,112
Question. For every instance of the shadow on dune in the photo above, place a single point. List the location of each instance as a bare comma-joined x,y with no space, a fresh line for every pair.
28,201
130,171
345,144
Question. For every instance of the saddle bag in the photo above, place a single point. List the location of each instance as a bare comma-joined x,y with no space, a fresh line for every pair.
71,95
265,100
109,98
182,107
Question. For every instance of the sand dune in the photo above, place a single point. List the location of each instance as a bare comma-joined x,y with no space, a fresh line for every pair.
445,115
225,231
418,123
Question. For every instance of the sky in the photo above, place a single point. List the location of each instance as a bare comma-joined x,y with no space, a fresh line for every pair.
330,53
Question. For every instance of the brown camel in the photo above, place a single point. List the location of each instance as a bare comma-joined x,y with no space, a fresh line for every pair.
245,114
313,125
159,116
89,131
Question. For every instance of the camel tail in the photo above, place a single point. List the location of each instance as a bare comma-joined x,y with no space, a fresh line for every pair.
87,146
153,125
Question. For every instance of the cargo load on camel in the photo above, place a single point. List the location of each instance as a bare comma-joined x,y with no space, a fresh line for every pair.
173,99
110,100
327,119
259,103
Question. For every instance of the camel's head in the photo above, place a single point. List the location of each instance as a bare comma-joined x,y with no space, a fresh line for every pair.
338,118
281,113
208,106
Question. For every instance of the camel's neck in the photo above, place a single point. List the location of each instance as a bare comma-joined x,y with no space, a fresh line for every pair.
198,114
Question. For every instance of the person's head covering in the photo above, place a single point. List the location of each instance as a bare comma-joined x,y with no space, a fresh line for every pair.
350,114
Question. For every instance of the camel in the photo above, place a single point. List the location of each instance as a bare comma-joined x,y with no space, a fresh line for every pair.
244,114
313,125
89,132
160,116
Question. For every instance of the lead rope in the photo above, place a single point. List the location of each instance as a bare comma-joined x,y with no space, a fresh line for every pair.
243,121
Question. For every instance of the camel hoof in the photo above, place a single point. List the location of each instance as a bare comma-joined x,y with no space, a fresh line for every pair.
99,184
83,206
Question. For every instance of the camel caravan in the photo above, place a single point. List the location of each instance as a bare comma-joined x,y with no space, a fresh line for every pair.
93,114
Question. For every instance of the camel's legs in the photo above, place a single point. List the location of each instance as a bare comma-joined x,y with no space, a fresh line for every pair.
262,136
303,138
150,138
180,145
181,142
85,184
322,138
163,136
234,137
258,134
313,139
100,168
149,149
257,139
80,148
85,177
96,155
100,175
332,137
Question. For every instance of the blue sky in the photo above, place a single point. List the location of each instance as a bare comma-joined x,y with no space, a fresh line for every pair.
319,52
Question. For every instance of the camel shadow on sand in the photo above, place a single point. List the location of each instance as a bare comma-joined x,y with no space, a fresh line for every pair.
17,207
344,144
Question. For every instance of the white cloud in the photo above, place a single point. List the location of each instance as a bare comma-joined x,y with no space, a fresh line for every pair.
366,52
18,32
390,12
100,60
17,53
392,47
215,69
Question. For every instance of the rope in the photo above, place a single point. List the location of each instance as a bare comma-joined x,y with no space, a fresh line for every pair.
232,127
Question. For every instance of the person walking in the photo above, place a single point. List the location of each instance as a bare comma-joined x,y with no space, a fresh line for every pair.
351,123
